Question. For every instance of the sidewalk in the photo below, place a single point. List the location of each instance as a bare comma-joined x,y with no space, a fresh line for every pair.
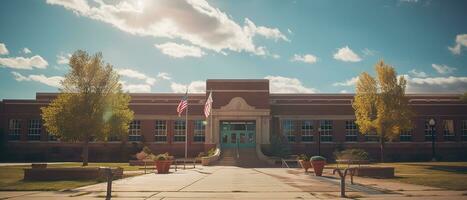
243,183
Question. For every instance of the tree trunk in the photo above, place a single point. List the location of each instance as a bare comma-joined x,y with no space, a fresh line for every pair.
85,154
382,146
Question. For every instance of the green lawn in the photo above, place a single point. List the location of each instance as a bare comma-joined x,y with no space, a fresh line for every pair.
449,175
11,177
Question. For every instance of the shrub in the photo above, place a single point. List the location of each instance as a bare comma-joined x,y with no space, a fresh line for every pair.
147,150
351,154
211,152
317,158
303,157
163,156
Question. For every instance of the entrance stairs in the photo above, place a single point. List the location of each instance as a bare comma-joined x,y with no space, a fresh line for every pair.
247,158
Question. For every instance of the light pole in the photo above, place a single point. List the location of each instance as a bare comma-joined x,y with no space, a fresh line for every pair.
319,141
432,124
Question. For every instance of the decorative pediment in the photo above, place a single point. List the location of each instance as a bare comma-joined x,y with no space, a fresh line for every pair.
237,103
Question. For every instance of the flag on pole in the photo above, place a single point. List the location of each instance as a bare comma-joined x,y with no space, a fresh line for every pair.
208,105
183,104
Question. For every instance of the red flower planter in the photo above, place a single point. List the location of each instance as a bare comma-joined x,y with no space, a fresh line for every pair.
318,166
305,164
163,166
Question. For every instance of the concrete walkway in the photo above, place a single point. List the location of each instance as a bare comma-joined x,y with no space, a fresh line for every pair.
224,182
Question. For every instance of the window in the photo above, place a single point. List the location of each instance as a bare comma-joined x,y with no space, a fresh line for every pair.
134,131
307,131
351,131
325,130
429,131
160,131
464,130
14,129
179,131
371,137
449,134
51,137
200,127
35,128
406,135
288,130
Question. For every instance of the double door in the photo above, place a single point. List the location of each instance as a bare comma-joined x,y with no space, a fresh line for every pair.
238,134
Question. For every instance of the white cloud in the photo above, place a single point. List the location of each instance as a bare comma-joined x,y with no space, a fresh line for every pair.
350,82
280,84
289,31
63,59
368,52
443,69
53,81
275,56
416,73
135,88
3,49
343,91
347,55
26,50
164,75
136,75
196,22
24,63
180,50
270,33
449,84
307,58
461,40
193,87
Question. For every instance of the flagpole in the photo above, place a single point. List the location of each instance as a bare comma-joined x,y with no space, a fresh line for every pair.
186,127
210,113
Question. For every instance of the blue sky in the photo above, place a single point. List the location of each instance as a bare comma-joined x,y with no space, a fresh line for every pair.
301,46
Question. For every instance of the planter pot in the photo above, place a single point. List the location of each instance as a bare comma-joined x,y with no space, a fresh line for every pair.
39,165
318,166
163,166
305,164
205,161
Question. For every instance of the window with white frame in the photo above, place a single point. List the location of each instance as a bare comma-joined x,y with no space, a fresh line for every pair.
14,129
325,130
199,132
51,137
34,129
429,131
406,135
371,137
449,134
464,130
134,131
288,129
351,131
160,131
307,131
179,131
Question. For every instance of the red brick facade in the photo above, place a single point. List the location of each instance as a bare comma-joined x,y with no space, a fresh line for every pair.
269,111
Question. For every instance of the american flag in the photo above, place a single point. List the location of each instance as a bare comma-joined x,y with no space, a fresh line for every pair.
208,105
183,104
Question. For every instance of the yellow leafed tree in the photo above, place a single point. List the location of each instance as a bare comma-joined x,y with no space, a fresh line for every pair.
380,104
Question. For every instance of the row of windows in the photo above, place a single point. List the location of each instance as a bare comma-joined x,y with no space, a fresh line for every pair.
303,130
134,131
160,131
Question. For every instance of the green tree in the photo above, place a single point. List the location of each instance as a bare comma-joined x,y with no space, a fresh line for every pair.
381,105
90,106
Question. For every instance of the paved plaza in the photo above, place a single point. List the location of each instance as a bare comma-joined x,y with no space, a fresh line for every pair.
225,182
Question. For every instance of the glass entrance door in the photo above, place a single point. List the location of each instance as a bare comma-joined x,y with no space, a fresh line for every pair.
241,134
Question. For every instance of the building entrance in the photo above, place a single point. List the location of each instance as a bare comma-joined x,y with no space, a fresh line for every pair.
238,134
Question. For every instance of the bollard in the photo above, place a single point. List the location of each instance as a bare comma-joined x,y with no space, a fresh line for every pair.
342,176
108,172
